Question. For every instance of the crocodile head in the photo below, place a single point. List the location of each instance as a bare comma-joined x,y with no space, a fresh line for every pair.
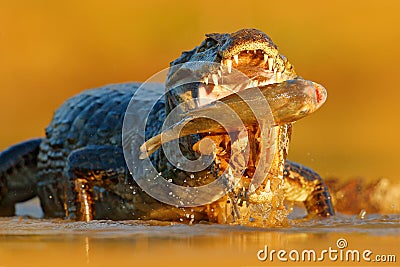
223,59
223,63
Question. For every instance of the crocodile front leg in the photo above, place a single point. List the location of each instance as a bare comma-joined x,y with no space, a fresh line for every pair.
304,185
99,184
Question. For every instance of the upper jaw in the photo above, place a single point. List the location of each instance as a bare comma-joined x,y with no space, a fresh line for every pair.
258,61
260,65
247,69
247,50
219,60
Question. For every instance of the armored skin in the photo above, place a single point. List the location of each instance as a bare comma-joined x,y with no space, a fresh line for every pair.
79,172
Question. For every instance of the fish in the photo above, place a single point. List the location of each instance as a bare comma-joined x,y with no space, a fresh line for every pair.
288,102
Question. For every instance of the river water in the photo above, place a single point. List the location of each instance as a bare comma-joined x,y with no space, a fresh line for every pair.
26,241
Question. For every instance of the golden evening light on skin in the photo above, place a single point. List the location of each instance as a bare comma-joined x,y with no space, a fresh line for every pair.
53,50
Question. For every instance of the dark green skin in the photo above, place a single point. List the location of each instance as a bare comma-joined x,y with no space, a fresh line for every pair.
81,156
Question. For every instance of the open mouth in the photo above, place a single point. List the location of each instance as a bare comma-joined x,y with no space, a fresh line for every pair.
252,66
242,70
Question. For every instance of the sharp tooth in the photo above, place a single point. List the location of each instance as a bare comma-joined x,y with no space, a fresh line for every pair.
219,73
202,94
252,188
265,58
206,80
255,51
263,83
255,83
236,58
270,63
247,51
229,65
215,79
268,186
278,76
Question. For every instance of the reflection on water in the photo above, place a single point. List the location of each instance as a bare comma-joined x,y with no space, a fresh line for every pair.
45,242
64,243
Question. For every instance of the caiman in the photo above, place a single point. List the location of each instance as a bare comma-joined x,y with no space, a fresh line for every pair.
78,170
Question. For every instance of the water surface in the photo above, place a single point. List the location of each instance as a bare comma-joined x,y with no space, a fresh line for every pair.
43,242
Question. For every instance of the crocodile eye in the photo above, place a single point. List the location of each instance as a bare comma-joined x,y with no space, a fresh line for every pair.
201,49
209,42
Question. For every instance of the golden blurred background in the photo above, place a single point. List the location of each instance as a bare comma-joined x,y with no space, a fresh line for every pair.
51,50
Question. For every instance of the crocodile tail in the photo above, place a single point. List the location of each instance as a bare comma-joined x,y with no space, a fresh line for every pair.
365,196
18,167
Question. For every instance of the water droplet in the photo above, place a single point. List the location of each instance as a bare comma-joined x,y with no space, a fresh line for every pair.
362,214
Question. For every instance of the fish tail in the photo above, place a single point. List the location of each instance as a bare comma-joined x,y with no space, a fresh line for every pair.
150,146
